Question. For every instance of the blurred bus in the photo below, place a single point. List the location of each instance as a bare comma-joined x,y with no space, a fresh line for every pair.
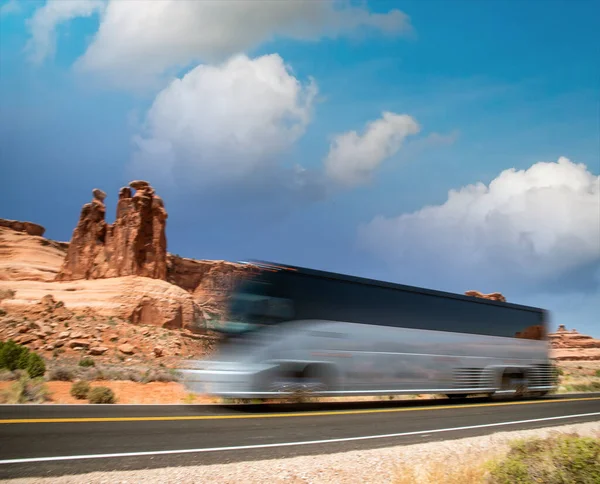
293,330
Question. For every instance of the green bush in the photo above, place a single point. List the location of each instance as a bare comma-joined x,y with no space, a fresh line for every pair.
555,460
597,373
35,365
13,356
101,395
80,389
86,362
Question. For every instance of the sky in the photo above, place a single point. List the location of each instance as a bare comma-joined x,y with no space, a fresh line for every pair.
448,144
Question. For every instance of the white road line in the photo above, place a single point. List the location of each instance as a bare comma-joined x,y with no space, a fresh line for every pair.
284,444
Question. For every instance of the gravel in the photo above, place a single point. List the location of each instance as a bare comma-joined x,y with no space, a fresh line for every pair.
365,466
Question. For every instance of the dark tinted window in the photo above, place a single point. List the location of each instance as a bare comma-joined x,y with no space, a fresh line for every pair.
338,300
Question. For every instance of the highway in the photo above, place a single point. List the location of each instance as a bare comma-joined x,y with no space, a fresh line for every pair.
44,440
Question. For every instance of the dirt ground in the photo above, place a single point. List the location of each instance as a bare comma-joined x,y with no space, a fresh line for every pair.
127,392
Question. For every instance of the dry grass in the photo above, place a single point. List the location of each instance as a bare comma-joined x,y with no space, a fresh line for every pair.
454,469
579,376
556,456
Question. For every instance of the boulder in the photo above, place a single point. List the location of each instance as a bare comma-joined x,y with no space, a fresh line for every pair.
98,350
126,349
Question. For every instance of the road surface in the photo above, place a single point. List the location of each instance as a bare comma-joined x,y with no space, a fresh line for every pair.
43,440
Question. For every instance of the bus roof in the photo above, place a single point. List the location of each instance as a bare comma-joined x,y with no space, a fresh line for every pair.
390,285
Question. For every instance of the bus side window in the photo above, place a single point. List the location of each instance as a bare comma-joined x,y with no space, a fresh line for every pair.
279,308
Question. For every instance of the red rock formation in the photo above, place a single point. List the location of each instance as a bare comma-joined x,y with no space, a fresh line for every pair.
494,296
27,227
86,249
135,244
209,281
571,345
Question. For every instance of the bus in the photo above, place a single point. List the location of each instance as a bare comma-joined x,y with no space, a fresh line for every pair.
292,330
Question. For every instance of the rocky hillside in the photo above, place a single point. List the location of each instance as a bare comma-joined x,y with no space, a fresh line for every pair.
114,291
111,285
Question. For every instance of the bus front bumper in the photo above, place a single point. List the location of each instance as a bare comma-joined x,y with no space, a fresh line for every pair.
226,380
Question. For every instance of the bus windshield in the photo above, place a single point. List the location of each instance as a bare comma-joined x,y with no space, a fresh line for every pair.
254,305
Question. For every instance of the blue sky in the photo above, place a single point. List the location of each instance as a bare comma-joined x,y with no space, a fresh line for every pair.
238,99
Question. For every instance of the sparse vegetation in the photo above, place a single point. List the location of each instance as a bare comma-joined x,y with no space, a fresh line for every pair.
7,375
164,376
555,460
61,373
101,395
86,361
597,373
80,389
583,387
26,390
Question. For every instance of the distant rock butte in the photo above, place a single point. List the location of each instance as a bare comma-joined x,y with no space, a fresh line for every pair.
135,245
571,345
494,296
28,227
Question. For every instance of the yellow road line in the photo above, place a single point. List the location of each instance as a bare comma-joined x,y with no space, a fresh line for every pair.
280,415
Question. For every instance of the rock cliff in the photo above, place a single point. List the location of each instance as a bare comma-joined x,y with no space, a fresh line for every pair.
28,257
26,227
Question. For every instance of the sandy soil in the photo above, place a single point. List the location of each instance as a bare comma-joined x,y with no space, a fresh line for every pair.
127,392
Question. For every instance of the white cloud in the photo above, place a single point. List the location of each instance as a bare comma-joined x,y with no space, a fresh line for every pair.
47,18
353,158
224,122
139,40
528,229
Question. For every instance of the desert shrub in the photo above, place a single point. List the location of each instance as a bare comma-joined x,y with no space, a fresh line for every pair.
554,460
164,376
35,365
61,373
27,390
7,375
101,395
13,356
87,361
80,389
597,373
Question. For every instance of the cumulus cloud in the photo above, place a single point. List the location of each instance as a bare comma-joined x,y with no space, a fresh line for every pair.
225,122
140,40
353,157
530,229
46,19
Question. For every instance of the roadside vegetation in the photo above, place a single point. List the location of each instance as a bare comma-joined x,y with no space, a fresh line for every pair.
578,376
557,459
14,357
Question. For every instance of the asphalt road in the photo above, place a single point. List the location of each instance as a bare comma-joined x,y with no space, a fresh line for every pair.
47,440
